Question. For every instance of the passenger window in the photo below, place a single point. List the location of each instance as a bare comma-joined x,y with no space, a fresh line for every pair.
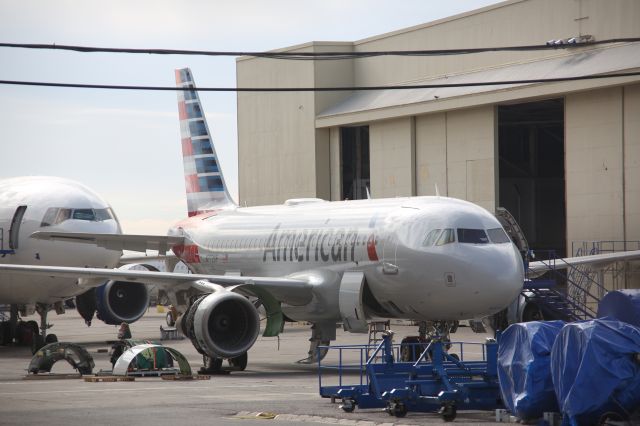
431,237
472,236
498,236
446,237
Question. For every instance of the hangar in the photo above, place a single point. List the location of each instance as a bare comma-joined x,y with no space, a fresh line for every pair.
562,157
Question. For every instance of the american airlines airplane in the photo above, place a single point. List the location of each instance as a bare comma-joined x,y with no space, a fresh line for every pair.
420,258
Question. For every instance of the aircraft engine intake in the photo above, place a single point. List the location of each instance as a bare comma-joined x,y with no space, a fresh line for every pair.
121,301
222,324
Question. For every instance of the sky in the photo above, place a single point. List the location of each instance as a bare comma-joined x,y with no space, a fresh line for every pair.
125,145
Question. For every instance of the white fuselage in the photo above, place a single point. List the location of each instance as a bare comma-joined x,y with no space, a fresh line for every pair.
408,275
50,204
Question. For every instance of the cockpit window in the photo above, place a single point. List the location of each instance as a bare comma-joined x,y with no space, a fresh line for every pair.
498,236
49,217
84,214
56,215
446,237
472,236
431,237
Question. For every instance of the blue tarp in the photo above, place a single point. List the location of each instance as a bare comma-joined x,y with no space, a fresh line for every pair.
623,305
595,370
523,368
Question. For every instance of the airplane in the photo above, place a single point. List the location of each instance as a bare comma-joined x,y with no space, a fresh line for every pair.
427,258
32,203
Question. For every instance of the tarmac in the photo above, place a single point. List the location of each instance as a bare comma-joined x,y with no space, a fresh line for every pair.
274,389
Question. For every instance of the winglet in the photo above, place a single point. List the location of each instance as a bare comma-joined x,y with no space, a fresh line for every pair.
204,182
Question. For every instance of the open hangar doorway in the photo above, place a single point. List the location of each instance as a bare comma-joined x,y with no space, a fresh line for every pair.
532,172
354,162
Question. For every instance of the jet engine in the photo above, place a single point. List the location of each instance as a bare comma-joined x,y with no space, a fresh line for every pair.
115,302
121,301
221,324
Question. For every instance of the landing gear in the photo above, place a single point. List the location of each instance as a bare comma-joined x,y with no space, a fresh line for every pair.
321,335
239,363
211,365
412,347
28,332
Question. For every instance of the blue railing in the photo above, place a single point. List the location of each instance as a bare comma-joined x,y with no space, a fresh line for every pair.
354,359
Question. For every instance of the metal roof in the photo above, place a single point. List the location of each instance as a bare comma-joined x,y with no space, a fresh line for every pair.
605,60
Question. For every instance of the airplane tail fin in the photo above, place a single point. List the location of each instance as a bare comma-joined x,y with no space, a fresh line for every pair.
204,182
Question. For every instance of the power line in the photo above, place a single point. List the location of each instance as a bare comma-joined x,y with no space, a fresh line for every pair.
317,89
557,44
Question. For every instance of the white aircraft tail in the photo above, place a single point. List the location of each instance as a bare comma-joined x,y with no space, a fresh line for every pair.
203,179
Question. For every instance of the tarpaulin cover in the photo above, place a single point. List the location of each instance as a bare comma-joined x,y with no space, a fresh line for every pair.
523,368
623,305
595,370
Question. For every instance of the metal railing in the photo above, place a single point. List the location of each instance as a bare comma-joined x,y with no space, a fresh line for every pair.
349,360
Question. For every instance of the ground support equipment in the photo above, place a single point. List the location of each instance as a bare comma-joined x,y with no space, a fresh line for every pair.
439,381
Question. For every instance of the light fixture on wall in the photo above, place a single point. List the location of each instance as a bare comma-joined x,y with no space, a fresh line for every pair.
583,39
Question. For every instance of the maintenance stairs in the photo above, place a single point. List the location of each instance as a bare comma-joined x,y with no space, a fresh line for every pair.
567,292
572,293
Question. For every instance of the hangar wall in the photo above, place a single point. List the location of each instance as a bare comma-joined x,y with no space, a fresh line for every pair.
602,164
289,149
455,150
280,152
510,23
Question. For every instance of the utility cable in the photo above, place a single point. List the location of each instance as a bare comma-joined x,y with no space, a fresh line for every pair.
318,89
553,45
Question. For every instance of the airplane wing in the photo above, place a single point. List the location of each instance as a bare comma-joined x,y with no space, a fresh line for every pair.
161,243
596,261
289,290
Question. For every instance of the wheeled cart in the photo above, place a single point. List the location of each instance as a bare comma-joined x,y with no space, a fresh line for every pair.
439,381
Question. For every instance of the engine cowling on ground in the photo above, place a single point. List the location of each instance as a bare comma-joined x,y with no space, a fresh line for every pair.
222,324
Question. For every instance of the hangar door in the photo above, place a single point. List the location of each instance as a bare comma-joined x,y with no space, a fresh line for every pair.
354,162
531,173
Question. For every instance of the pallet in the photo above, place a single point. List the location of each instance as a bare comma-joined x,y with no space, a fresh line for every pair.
108,379
186,377
51,376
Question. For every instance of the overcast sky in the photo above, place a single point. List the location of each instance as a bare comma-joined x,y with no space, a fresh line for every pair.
125,144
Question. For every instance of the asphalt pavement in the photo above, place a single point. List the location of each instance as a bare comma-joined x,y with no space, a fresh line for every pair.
274,389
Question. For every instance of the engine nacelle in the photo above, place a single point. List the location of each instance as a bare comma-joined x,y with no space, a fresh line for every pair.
121,301
221,324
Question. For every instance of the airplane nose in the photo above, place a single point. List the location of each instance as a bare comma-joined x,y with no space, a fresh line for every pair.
506,276
489,277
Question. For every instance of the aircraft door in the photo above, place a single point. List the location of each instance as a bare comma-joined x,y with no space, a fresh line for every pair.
14,231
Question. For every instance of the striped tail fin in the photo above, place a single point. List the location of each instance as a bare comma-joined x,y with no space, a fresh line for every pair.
204,182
